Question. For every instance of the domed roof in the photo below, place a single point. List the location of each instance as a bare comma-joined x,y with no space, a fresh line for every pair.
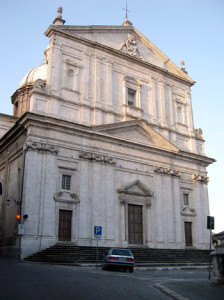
39,72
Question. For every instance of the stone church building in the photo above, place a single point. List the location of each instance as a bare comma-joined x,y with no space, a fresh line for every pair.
102,134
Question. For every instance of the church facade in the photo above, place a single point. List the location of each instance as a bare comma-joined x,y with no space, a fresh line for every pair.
102,134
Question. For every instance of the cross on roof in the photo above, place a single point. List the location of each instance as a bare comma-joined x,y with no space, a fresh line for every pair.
126,9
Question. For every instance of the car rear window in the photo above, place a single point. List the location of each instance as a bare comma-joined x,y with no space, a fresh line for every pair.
122,252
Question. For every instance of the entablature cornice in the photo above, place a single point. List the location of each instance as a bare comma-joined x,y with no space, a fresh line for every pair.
42,121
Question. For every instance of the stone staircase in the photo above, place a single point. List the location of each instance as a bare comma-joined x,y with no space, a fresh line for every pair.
78,255
171,257
68,254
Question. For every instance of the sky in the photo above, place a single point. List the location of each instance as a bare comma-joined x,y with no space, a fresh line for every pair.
192,30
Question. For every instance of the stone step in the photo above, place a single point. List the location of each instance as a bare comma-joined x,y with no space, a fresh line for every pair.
70,253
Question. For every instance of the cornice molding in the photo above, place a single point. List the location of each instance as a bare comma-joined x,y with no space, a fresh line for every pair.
29,119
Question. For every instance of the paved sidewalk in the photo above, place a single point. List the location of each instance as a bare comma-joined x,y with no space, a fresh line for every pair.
191,289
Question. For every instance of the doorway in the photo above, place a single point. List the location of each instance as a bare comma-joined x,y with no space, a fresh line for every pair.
135,227
188,234
65,222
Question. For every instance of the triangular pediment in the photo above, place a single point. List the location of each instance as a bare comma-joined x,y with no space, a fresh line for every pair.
125,39
135,188
138,132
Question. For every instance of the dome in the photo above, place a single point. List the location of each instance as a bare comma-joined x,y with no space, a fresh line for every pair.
39,72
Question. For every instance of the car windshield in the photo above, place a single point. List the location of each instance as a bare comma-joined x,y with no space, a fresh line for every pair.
122,252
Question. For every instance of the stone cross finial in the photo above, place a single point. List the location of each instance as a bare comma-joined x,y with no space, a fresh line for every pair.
126,22
59,11
126,9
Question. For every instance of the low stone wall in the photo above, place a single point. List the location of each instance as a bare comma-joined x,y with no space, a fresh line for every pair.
218,264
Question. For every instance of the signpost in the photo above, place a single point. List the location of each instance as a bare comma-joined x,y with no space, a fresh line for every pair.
97,234
210,226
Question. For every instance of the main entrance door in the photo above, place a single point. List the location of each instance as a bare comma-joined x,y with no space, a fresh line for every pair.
65,221
188,234
135,228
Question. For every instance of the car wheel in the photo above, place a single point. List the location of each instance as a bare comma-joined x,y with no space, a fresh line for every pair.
103,267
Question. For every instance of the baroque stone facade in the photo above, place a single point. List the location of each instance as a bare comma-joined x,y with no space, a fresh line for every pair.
105,137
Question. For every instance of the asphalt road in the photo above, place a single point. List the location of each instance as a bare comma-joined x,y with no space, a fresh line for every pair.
39,281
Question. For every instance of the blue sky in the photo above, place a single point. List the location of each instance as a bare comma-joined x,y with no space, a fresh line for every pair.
192,30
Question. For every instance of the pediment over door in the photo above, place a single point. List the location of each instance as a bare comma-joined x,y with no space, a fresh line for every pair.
188,212
135,192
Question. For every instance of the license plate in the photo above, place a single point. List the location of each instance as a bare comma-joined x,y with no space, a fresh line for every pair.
121,258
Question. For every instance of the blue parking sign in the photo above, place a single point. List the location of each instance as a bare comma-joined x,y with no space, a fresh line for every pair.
97,231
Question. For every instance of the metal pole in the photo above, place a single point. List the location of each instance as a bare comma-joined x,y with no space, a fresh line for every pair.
97,253
209,273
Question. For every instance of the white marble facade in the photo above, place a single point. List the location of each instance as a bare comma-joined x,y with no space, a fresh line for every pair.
105,134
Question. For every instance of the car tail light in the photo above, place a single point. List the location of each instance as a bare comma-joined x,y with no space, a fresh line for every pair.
130,259
112,258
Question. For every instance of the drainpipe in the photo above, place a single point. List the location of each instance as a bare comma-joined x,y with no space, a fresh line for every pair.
21,194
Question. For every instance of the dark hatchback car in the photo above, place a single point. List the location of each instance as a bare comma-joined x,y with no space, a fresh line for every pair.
119,258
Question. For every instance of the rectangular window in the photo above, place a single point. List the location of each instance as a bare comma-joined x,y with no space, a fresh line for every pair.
131,97
186,199
66,182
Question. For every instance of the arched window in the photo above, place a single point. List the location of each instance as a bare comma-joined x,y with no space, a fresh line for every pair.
70,79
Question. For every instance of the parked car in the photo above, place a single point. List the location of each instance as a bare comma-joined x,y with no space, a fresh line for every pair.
119,258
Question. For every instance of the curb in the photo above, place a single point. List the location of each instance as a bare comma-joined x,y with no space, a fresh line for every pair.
169,292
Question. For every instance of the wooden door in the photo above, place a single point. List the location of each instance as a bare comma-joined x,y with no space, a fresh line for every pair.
65,222
188,234
135,228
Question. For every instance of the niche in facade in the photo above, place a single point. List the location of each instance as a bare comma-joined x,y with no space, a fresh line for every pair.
71,75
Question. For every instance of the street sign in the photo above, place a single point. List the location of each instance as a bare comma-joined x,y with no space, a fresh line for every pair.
210,222
98,231
21,229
